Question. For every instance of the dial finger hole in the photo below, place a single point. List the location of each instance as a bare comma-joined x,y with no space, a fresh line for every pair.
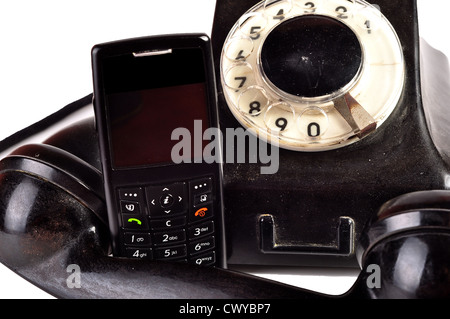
277,9
279,117
251,24
369,19
344,10
239,48
253,101
313,122
308,6
239,76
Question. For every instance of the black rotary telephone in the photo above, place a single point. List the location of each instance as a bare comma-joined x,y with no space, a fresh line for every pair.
358,121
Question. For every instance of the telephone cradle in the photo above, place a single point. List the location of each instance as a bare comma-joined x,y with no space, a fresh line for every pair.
379,203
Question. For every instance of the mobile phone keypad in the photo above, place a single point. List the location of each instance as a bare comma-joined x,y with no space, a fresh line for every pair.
169,221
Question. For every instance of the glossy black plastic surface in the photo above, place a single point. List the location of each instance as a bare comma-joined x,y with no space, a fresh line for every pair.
414,266
408,240
293,56
413,212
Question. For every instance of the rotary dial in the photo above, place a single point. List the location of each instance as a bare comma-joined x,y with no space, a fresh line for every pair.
314,75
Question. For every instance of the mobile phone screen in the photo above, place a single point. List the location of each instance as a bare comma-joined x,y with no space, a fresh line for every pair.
147,98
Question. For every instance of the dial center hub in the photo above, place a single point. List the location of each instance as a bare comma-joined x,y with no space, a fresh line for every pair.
311,56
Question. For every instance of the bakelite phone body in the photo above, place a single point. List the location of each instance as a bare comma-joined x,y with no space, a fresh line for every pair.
359,181
313,210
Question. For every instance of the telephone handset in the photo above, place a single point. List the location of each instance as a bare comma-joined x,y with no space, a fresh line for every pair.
381,200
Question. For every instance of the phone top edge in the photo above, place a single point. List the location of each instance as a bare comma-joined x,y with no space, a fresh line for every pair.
158,42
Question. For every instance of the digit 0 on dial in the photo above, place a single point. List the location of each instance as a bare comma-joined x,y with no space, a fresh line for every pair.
315,75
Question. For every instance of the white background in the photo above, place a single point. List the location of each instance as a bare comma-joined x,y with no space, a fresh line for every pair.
45,64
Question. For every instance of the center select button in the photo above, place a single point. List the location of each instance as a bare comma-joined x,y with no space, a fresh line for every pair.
166,200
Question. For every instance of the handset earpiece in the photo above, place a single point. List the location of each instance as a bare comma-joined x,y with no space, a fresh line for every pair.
403,252
62,169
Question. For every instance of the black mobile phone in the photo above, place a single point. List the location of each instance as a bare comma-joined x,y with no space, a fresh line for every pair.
159,208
